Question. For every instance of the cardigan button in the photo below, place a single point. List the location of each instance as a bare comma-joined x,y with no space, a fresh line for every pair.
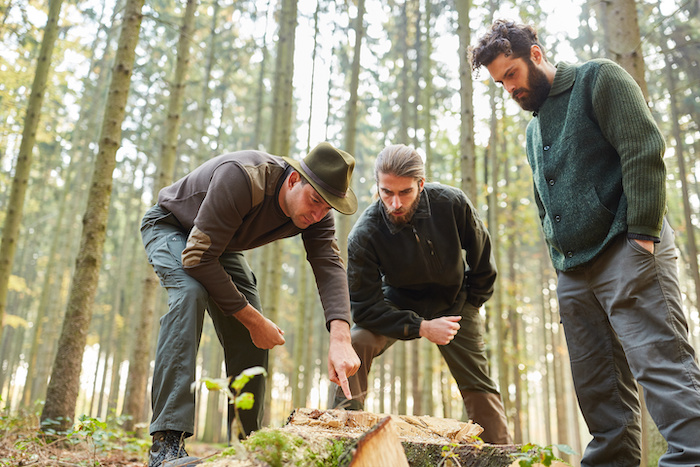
557,218
570,254
551,182
546,148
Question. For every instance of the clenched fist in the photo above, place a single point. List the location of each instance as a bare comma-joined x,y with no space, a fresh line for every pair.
441,330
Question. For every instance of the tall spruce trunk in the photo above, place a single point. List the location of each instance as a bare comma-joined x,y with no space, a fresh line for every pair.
622,41
351,120
467,149
694,270
62,392
280,143
15,206
141,355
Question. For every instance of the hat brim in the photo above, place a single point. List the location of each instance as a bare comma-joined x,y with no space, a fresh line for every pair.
346,205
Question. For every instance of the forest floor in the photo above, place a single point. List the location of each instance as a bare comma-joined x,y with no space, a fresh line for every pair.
92,443
311,438
30,450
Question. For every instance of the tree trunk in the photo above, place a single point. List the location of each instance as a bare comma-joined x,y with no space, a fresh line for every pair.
315,333
257,139
514,321
300,339
403,80
15,206
62,392
428,404
351,121
416,387
280,143
427,71
466,140
212,357
401,364
31,390
683,177
623,42
129,243
546,348
203,147
141,355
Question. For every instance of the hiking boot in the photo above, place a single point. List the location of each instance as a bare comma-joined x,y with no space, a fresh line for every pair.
168,449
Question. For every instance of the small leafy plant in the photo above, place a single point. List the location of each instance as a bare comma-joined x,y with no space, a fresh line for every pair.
532,454
236,397
448,456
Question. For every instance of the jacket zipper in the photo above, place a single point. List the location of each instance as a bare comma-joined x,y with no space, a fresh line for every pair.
433,259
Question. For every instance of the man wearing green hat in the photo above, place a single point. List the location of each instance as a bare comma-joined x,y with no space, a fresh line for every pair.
194,238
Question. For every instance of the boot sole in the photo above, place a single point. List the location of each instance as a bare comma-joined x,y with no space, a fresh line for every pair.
183,461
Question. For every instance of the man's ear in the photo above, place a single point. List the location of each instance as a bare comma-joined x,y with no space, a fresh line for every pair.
421,184
536,54
294,177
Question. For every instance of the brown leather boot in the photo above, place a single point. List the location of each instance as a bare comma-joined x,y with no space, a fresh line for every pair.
486,409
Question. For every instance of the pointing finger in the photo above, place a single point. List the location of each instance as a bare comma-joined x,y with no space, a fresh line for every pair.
345,385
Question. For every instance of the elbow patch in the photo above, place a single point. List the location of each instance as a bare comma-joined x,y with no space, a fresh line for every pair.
197,243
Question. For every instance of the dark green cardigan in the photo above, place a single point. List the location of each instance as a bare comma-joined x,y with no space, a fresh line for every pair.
597,160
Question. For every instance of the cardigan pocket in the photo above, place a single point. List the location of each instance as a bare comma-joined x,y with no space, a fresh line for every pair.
601,218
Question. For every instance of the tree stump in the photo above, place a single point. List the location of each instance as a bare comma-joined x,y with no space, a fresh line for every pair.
379,446
426,441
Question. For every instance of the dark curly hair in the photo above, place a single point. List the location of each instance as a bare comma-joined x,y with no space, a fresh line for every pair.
505,37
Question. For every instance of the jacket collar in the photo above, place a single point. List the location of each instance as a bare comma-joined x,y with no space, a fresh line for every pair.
422,212
564,80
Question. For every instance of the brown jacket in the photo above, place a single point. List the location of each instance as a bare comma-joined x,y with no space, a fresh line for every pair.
230,203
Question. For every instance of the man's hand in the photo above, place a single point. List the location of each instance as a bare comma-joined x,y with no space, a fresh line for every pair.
343,362
265,333
441,330
646,244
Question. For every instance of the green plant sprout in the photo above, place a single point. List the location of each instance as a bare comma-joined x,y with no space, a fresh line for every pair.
234,391
532,454
87,427
449,457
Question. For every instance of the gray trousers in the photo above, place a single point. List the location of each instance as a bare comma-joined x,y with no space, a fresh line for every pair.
181,329
623,319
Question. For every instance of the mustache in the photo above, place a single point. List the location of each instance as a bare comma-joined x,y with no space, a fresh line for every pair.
391,210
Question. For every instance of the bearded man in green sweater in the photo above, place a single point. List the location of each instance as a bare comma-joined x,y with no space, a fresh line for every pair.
599,177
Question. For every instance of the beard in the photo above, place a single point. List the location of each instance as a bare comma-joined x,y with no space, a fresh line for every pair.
405,218
538,89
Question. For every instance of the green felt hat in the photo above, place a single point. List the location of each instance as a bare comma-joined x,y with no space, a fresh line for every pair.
329,171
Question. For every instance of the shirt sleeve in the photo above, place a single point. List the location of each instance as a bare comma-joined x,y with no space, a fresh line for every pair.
226,203
476,242
627,123
370,310
323,255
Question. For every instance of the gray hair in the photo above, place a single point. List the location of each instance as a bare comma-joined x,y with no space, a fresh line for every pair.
401,161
